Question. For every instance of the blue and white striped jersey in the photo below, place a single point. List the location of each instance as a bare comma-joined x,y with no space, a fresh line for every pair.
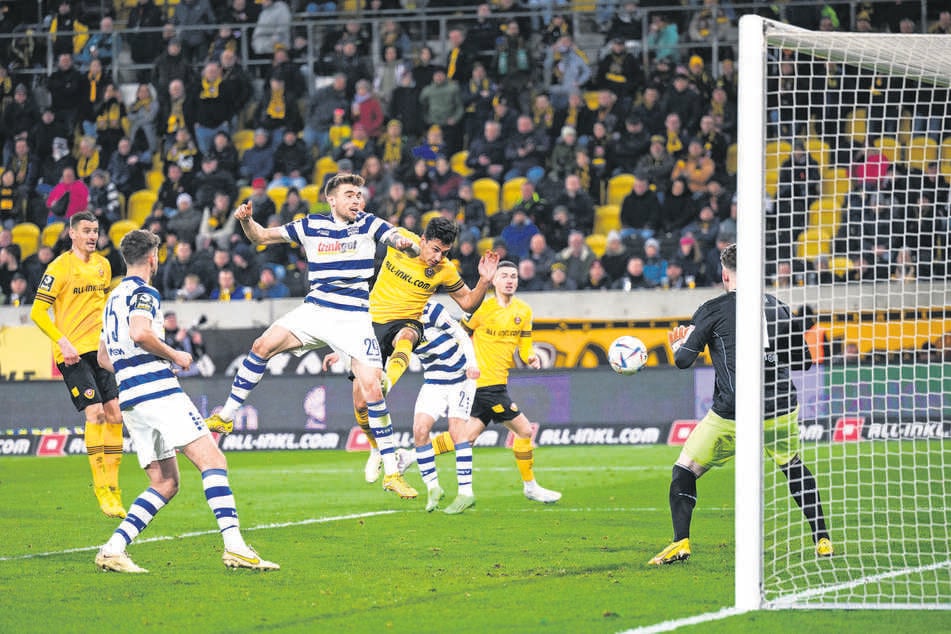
141,375
339,257
446,350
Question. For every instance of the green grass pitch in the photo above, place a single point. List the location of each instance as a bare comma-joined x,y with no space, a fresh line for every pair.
357,560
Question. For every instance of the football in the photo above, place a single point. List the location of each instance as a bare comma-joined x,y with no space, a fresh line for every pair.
627,355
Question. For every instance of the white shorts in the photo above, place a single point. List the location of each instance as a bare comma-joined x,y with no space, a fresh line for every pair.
161,426
436,399
349,333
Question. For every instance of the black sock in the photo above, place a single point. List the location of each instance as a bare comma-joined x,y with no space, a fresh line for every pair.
802,486
683,497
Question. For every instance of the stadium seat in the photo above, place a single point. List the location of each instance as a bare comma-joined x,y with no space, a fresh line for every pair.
310,193
458,163
772,182
243,140
776,153
812,243
731,159
485,244
619,187
597,243
836,184
27,236
325,165
825,213
154,179
487,190
51,233
244,193
856,125
426,217
945,151
512,191
840,266
119,228
819,150
278,195
140,206
921,152
889,147
607,218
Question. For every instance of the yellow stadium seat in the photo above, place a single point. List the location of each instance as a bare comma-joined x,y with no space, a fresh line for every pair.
921,151
243,140
119,228
820,151
825,213
840,266
597,243
27,236
512,191
856,125
772,182
619,186
813,243
485,244
731,158
946,148
836,184
278,195
140,206
154,179
591,99
426,217
776,153
310,193
607,218
458,163
889,147
244,193
487,190
51,233
325,165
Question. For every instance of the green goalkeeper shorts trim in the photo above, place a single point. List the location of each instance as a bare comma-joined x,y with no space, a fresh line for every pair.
713,441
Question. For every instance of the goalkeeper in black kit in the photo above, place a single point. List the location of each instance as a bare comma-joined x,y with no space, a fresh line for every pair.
713,441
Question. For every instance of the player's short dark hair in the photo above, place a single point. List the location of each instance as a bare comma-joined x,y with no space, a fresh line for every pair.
442,229
728,257
136,246
82,215
337,180
507,264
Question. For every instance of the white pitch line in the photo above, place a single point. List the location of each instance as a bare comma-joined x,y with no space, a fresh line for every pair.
162,538
669,626
598,468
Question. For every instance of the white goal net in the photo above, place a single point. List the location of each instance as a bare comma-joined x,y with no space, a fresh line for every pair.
847,139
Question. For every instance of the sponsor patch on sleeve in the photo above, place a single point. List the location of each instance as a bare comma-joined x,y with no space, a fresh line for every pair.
144,301
46,284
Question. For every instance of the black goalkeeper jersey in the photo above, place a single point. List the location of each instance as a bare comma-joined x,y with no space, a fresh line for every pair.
784,349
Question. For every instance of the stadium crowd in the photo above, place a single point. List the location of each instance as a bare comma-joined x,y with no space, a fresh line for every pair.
609,173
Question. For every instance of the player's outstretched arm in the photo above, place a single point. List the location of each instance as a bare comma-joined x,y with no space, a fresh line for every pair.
401,243
255,232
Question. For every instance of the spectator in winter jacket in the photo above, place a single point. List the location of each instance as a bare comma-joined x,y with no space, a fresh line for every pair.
127,169
320,116
104,199
71,191
198,16
273,27
292,162
258,160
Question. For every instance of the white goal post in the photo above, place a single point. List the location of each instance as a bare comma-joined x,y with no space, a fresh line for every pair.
844,174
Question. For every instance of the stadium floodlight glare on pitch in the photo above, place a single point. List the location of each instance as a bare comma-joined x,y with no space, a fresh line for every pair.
843,180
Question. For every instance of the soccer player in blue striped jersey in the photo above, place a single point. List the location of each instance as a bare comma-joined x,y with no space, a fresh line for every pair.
158,414
340,248
449,374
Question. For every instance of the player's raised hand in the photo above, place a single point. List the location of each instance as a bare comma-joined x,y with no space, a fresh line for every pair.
678,336
488,264
329,360
534,362
404,244
243,212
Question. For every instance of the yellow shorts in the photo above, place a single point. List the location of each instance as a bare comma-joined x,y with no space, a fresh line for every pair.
712,443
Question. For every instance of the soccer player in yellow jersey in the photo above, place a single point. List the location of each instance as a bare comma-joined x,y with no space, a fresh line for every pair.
404,284
75,286
501,327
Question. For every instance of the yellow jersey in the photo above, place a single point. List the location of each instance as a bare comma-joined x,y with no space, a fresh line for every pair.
497,333
405,283
77,292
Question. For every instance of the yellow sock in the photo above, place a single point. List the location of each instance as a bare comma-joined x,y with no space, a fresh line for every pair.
112,452
363,420
94,438
443,443
524,458
399,360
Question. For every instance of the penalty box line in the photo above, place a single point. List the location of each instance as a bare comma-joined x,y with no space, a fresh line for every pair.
163,538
